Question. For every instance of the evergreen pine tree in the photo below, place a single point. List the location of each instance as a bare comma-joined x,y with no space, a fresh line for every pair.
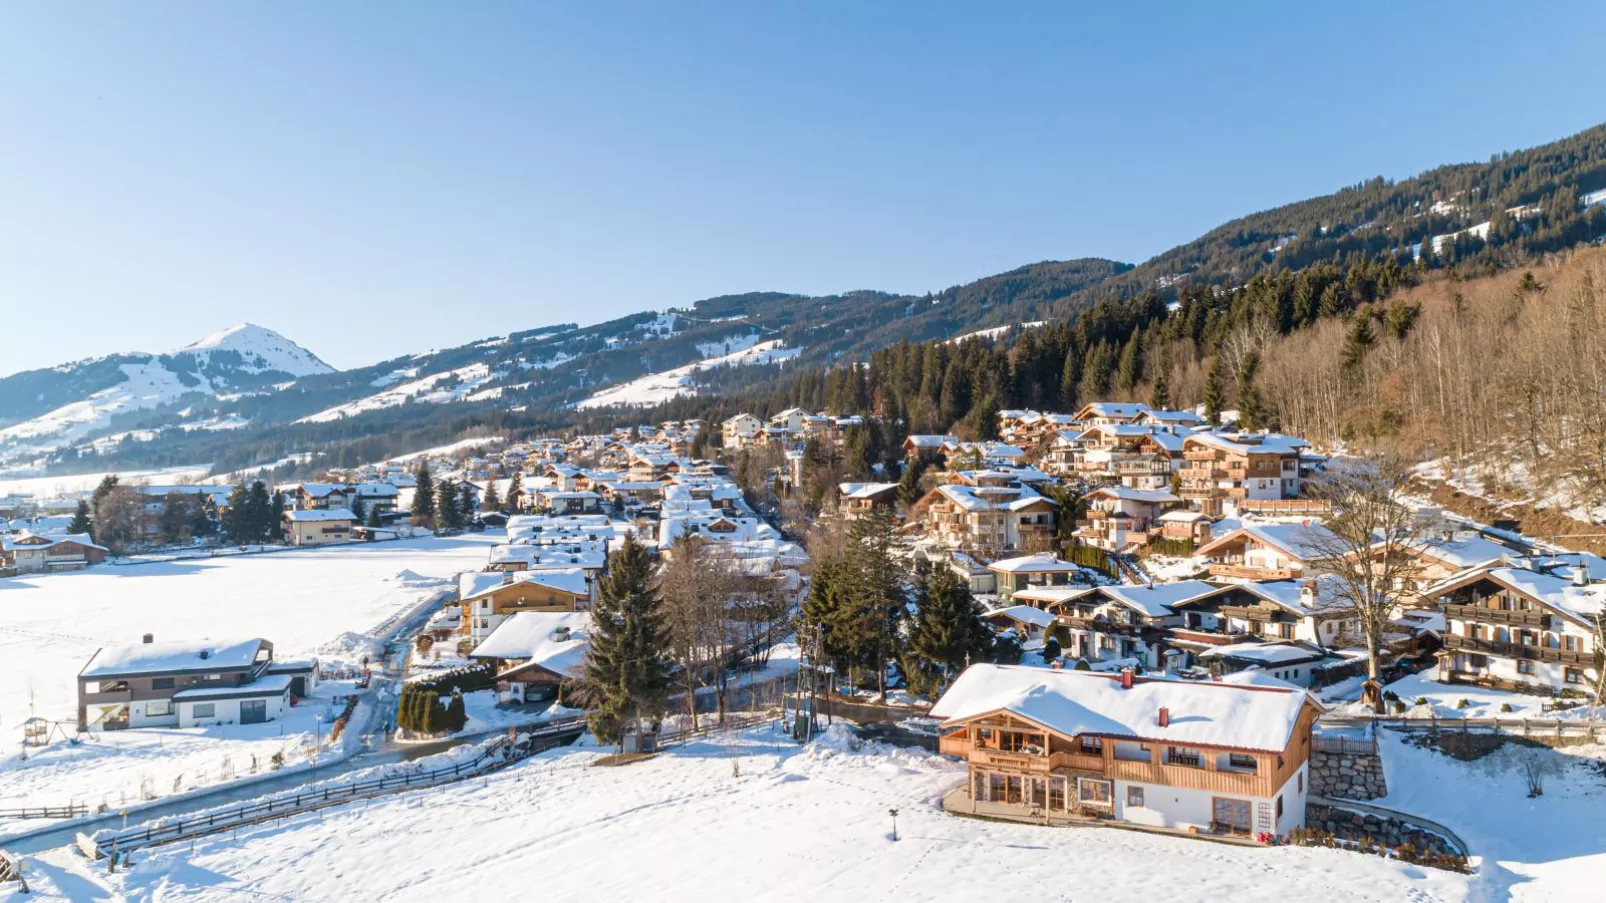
448,515
493,502
423,495
909,481
1215,392
1128,371
358,511
1357,341
80,520
456,713
874,598
430,713
465,503
628,668
515,493
237,519
373,517
1069,374
1160,394
205,521
947,633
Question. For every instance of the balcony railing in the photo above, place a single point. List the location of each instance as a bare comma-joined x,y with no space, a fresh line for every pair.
1540,620
1252,573
1517,650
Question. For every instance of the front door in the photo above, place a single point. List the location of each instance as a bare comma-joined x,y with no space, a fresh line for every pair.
253,711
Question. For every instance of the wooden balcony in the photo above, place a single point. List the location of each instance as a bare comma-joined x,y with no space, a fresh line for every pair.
1077,761
1013,761
1202,473
1099,624
1536,619
1457,643
954,745
1252,573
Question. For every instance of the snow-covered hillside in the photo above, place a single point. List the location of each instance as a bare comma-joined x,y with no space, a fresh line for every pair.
436,388
656,388
240,356
994,332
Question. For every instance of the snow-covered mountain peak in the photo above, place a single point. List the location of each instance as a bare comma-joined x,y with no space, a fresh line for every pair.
261,349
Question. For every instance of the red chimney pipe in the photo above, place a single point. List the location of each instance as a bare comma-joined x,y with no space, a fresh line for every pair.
1165,717
1126,678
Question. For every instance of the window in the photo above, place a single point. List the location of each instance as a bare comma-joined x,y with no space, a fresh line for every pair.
1131,752
1240,762
204,710
1134,797
979,791
1091,746
1279,808
1524,666
1093,793
996,787
1301,782
1056,794
1569,643
1574,675
1230,816
1189,758
157,708
161,683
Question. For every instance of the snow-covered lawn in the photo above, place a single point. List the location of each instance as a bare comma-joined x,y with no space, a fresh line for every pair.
1444,701
306,601
1550,847
748,816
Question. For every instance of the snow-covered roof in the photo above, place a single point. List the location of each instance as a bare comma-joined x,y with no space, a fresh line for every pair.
1050,595
864,490
32,541
981,498
1184,516
173,657
1033,564
268,685
1151,496
1113,409
1265,653
1295,540
1155,599
1464,551
1250,443
567,579
1071,703
555,640
1579,602
1025,614
925,441
318,515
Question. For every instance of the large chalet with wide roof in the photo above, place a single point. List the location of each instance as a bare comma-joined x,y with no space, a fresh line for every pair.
1065,746
1517,627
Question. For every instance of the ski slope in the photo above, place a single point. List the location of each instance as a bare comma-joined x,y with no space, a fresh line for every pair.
656,388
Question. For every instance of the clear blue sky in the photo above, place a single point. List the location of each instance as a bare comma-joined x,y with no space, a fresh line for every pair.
375,179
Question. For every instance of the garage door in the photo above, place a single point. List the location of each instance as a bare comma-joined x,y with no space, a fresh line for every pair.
253,711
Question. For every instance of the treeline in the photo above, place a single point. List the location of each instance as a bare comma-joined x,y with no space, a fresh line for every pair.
1203,348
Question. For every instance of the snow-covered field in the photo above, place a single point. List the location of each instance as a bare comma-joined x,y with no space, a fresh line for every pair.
748,816
1550,847
46,487
300,599
436,388
656,388
1444,701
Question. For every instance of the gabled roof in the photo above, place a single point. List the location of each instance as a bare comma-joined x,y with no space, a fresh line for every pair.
571,580
1293,540
1156,599
1112,409
173,657
318,515
554,640
1250,443
1151,496
1072,703
1578,603
1042,562
1024,614
864,490
1464,551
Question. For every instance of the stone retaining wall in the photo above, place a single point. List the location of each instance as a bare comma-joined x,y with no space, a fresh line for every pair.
1350,776
1347,824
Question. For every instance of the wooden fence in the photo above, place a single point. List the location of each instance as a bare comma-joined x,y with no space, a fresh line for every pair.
1516,727
495,755
1351,746
73,810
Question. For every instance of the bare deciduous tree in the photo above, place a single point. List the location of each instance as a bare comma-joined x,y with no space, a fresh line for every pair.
1367,548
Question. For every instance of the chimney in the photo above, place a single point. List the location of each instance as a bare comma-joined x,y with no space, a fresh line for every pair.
206,654
1165,717
1580,574
148,638
507,578
1126,678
